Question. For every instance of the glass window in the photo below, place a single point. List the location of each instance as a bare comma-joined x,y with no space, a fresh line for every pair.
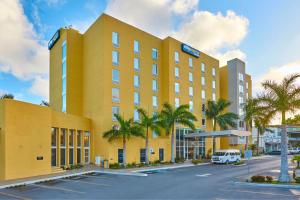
203,94
154,85
154,134
154,54
136,63
203,67
115,58
214,71
190,62
64,103
154,70
214,84
241,77
214,96
71,138
154,101
241,88
136,98
115,38
115,76
64,69
190,76
176,57
136,81
191,104
247,95
203,80
241,111
115,95
64,85
142,155
136,46
64,51
136,116
241,100
115,110
247,85
63,137
78,139
53,137
176,72
177,103
86,139
177,87
191,91
203,122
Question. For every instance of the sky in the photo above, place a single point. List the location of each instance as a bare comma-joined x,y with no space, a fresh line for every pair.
263,33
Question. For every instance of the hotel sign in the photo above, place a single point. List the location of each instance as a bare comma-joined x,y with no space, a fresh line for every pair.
190,50
54,39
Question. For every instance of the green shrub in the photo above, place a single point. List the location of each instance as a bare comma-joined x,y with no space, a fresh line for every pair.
156,162
269,179
297,179
258,179
239,162
114,166
196,161
179,160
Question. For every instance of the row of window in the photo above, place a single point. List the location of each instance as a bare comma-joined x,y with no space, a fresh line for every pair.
64,76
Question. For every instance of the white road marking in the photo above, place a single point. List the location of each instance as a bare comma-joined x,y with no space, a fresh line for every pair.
97,177
58,188
203,175
85,182
295,192
13,196
277,171
264,193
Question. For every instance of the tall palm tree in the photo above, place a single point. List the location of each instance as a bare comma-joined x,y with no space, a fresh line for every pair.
148,123
216,111
293,121
283,98
125,130
250,108
170,116
7,96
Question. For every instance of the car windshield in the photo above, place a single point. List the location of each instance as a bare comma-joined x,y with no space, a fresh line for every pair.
219,153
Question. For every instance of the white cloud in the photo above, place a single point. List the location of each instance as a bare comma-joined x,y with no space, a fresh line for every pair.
40,87
229,55
52,3
22,53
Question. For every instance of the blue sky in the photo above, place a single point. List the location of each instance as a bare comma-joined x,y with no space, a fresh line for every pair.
266,34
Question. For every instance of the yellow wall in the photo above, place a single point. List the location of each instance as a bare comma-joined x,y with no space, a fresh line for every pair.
2,141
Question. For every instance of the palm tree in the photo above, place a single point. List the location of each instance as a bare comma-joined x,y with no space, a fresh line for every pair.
293,121
282,98
216,112
170,116
148,123
125,130
250,109
45,103
7,96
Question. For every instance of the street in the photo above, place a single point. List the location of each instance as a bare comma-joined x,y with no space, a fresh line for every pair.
199,182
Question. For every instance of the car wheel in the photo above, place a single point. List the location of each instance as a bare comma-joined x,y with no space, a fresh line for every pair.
227,162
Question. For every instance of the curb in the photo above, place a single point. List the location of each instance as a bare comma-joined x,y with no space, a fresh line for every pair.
269,185
121,173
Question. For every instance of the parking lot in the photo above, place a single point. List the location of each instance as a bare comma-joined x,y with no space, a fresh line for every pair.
199,182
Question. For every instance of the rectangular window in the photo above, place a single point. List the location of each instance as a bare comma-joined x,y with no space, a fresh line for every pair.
120,156
241,77
177,88
137,64
176,72
154,134
241,88
115,76
64,69
190,76
203,80
64,103
136,116
177,103
176,57
154,70
115,58
241,100
115,110
142,155
161,154
247,85
154,54
64,85
154,101
154,85
136,45
191,104
115,94
203,67
214,84
190,62
136,81
136,98
203,122
71,138
241,111
203,94
191,91
64,51
247,95
115,39
214,71
214,96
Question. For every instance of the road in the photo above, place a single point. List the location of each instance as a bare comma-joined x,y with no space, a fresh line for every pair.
199,182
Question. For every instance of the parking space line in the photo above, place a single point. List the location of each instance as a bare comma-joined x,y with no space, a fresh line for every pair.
98,177
263,193
203,175
14,196
85,182
58,188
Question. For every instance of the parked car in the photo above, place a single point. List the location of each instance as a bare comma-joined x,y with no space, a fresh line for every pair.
274,152
226,156
294,150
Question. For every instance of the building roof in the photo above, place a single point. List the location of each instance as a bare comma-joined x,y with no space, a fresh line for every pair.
219,134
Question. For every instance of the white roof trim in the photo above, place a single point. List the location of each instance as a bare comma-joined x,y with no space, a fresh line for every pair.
219,133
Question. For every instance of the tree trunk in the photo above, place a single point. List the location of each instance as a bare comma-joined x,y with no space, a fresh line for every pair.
284,176
124,151
257,142
214,138
147,146
172,146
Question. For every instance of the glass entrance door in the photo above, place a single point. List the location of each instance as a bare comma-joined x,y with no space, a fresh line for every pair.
86,147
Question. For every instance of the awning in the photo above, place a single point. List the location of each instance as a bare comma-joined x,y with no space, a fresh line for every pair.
219,134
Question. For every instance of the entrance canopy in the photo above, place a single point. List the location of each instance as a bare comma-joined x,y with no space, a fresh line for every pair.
219,134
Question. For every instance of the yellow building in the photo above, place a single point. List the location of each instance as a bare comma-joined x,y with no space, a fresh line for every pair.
112,68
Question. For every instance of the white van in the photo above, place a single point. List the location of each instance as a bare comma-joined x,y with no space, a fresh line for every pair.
226,156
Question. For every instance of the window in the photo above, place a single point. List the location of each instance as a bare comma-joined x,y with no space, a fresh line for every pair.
177,104
214,96
203,122
115,58
64,85
203,67
190,62
64,51
247,85
115,76
214,84
154,85
214,71
154,70
241,77
154,101
142,155
115,110
154,134
154,54
177,88
176,56
136,116
136,47
191,91
115,39
203,94
190,76
136,63
136,81
64,69
241,88
161,154
247,95
191,104
241,100
203,80
115,95
176,72
241,111
203,107
64,77
64,103
136,98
